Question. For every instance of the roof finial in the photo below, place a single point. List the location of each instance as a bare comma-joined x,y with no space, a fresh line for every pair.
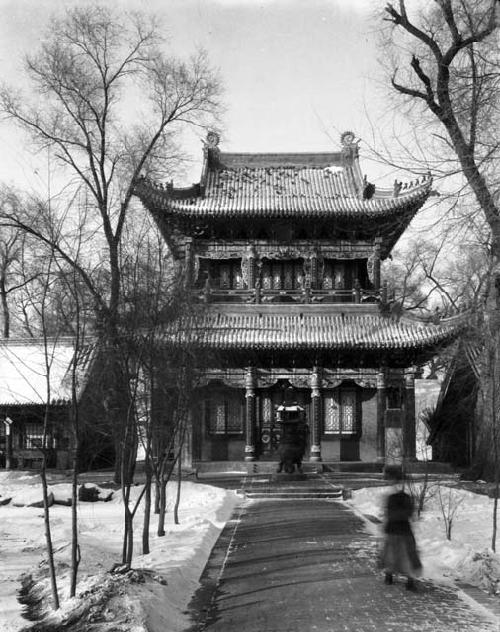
212,140
347,139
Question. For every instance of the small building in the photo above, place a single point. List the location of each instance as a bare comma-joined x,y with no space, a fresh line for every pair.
453,420
36,377
285,252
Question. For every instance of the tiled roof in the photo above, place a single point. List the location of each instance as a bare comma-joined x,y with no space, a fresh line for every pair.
23,370
283,191
329,330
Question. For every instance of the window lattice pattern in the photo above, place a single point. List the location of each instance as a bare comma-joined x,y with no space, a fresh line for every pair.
234,421
267,410
339,409
224,414
33,436
282,275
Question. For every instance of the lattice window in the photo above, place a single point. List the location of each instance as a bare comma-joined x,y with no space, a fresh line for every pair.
225,276
277,276
238,277
234,416
282,275
267,410
327,280
224,414
339,275
339,411
298,275
33,436
266,276
289,276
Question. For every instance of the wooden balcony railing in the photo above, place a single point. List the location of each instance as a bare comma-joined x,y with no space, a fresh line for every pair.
307,295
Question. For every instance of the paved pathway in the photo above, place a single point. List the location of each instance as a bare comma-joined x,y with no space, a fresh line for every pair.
309,565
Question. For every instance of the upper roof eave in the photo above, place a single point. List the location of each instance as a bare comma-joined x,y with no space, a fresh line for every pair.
190,202
332,329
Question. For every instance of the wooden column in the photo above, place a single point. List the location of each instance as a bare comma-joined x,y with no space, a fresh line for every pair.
376,264
188,264
381,406
409,425
315,454
251,267
314,272
8,443
250,414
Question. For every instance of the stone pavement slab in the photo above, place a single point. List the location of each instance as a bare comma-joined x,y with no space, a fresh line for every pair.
309,565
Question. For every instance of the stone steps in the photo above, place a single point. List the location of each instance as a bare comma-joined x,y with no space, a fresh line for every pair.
291,486
278,495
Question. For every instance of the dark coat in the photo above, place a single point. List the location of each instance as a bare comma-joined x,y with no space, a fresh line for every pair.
398,513
400,553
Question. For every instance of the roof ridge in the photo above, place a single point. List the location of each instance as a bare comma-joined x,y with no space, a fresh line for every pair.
36,340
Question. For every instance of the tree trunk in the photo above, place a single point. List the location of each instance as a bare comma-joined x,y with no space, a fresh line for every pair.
75,547
147,506
5,309
179,483
118,406
163,507
48,535
127,528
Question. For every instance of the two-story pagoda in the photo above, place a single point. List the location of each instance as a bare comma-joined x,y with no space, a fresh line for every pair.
286,251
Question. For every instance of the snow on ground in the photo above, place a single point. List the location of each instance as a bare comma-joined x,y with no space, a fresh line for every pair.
175,562
468,556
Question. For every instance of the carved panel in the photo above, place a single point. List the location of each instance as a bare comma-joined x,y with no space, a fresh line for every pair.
246,264
233,379
370,267
299,381
267,410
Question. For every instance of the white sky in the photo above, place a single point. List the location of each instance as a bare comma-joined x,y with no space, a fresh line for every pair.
296,73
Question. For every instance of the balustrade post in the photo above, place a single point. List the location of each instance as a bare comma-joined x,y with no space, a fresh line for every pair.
315,453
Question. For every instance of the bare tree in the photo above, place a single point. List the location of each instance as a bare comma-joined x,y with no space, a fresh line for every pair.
17,263
446,66
450,501
92,67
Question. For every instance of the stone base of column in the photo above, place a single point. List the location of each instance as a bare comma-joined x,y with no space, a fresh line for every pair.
249,453
315,454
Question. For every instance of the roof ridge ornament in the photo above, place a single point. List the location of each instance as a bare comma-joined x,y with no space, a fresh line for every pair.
348,138
212,140
350,147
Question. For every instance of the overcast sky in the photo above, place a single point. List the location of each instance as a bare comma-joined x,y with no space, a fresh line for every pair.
296,73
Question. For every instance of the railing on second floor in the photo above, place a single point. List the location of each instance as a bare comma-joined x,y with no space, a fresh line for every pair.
357,294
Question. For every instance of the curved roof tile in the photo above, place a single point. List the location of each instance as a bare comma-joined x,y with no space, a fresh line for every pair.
281,191
308,331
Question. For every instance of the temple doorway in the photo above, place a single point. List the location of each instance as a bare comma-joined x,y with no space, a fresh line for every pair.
282,393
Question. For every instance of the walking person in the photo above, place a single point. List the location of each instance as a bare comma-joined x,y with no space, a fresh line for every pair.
400,554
